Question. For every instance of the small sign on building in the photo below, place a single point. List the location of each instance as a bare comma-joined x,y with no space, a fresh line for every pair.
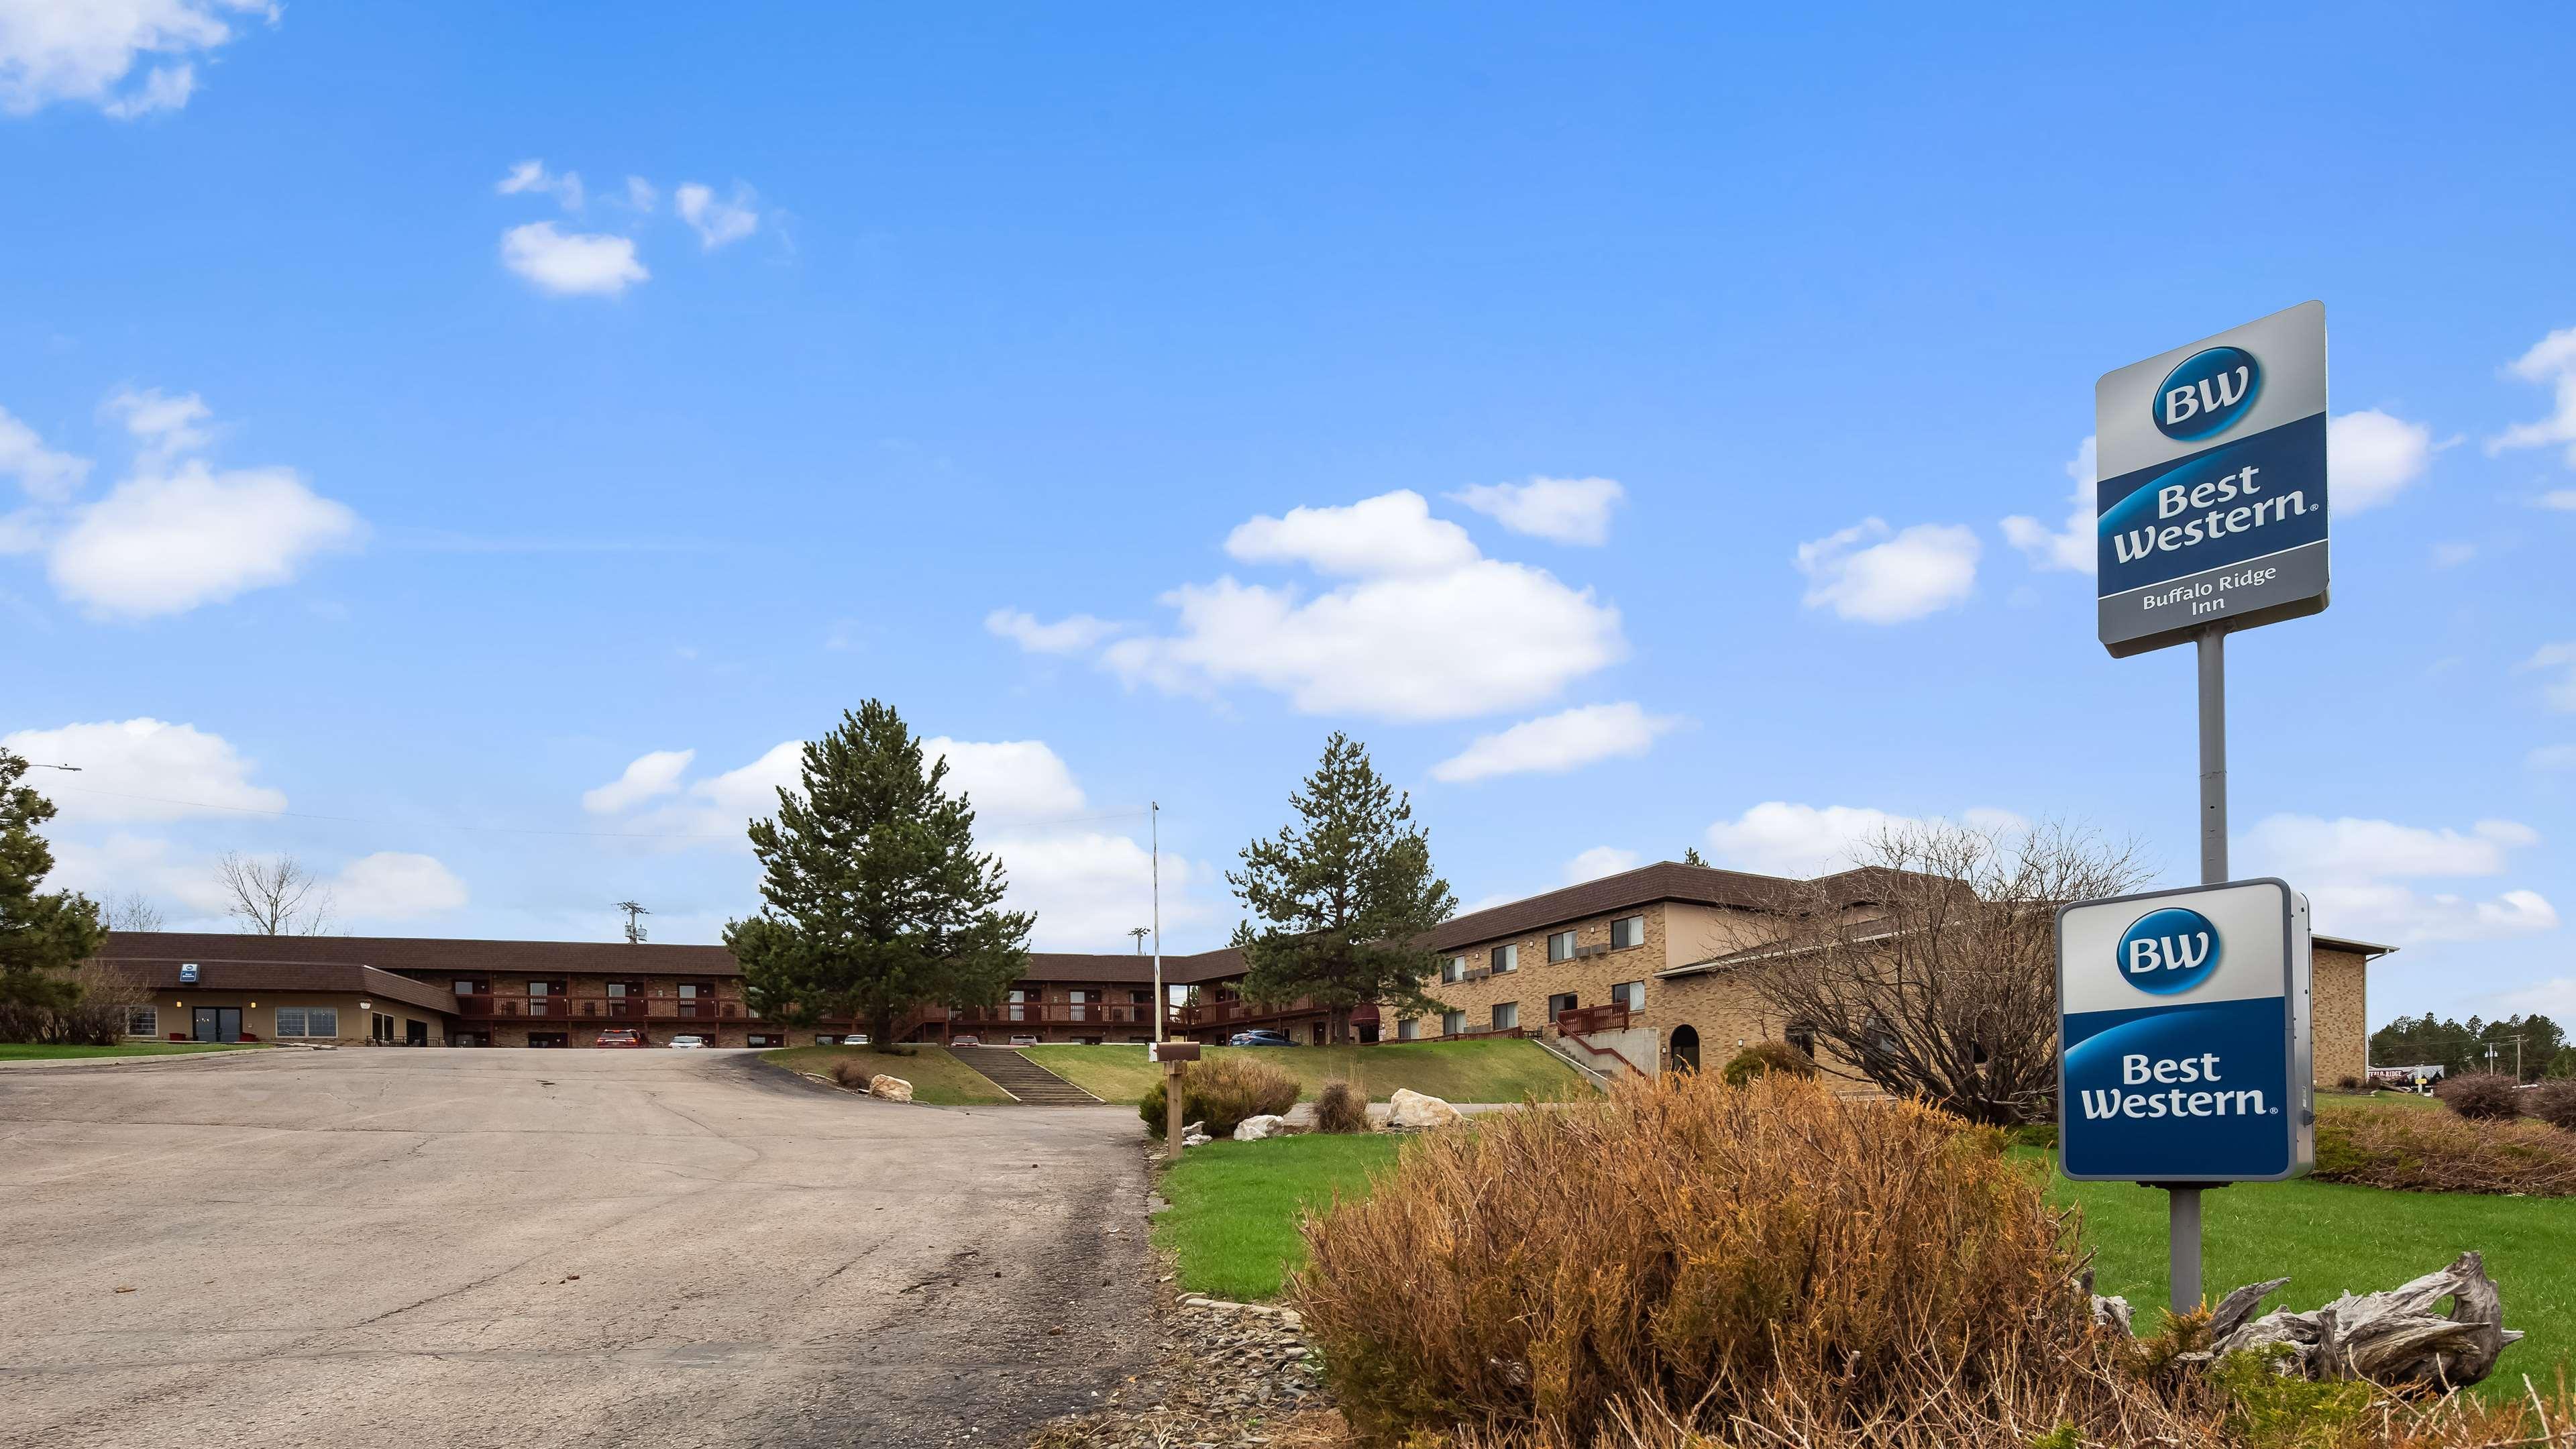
188,974
2185,1037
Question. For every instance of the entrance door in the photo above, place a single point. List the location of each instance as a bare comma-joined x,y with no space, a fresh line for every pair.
217,1023
415,1033
1686,1048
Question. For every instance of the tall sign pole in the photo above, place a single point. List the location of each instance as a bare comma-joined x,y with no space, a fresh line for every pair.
2211,519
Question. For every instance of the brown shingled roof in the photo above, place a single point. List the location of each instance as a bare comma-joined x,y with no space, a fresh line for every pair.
218,974
1665,880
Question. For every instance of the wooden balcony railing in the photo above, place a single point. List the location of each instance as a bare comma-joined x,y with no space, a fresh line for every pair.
1592,1018
564,1008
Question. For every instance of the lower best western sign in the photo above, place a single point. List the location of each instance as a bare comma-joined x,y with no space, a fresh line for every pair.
2183,1036
2212,460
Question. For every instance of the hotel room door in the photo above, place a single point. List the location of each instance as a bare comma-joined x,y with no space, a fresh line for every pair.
218,1023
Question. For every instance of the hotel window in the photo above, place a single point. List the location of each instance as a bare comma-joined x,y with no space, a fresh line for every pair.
1630,994
1802,1035
1453,1023
1454,970
1506,958
1560,946
1407,1029
1559,1004
1507,1015
1627,931
142,1021
321,1021
290,1021
470,988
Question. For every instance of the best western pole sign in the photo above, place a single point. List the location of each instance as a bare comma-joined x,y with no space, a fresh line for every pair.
2212,460
2185,1036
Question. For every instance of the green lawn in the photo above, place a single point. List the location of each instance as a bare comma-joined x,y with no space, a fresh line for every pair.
2332,1237
1233,1220
1233,1225
28,1051
937,1078
1456,1071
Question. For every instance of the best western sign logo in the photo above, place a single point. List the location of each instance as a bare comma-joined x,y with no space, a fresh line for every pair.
2213,484
2183,1035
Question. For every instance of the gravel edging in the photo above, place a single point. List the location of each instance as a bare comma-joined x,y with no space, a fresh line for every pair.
1223,1374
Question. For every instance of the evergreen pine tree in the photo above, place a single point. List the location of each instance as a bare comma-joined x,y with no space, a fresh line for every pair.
1346,897
1691,856
43,936
876,900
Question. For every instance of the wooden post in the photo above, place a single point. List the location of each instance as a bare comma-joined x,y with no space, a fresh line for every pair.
1172,1109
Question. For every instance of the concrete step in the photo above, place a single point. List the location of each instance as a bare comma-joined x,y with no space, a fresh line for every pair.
1014,1073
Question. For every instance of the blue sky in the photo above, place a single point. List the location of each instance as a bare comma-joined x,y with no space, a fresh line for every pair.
1656,388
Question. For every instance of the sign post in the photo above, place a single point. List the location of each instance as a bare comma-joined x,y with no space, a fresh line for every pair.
2211,518
1175,1057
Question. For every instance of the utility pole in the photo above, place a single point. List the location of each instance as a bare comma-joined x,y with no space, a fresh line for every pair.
634,929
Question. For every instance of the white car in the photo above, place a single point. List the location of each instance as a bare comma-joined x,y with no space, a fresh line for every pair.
679,1043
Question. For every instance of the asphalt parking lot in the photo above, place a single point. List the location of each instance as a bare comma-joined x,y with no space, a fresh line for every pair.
457,1247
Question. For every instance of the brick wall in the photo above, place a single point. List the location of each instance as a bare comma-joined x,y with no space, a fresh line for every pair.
2340,1007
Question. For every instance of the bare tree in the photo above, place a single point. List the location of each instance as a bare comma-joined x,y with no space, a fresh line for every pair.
276,897
1931,970
133,911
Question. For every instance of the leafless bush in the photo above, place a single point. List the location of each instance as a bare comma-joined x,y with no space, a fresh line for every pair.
854,1075
1689,1256
1341,1108
2554,1102
1931,969
2419,1151
2484,1096
1222,1091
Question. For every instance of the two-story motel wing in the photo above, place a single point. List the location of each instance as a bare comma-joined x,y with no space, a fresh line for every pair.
1639,970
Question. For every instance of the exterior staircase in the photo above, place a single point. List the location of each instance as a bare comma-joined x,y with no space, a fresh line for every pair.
1032,1085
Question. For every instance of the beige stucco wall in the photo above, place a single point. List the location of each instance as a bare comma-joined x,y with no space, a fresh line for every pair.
259,1013
2340,1007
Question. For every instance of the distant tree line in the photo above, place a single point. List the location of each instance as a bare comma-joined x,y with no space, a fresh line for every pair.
2462,1046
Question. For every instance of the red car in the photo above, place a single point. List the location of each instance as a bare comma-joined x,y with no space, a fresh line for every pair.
622,1036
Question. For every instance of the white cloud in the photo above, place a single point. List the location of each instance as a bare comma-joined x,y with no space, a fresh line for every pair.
392,885
1006,780
163,544
2554,997
163,427
732,800
2562,499
1390,535
124,863
641,194
2074,548
717,222
572,264
85,51
2356,873
2561,659
2551,758
1428,629
1089,888
1567,510
1557,743
1599,861
2371,457
1779,838
532,177
650,777
1922,570
143,769
2452,555
45,476
2552,362
1074,634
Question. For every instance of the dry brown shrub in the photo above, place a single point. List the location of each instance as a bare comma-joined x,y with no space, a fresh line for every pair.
2554,1102
1222,1091
2416,1151
1738,1262
2486,1096
1341,1108
853,1075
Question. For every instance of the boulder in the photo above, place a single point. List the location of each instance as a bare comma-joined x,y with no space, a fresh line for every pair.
1412,1111
1197,1139
893,1089
1254,1129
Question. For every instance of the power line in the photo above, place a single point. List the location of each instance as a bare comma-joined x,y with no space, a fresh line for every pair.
530,830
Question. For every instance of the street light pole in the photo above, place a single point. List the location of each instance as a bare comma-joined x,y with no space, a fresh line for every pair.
1162,1006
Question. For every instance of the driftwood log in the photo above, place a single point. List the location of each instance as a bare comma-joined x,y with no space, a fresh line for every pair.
2393,1338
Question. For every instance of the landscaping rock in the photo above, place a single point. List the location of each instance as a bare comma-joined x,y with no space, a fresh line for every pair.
1197,1139
1412,1111
1255,1129
893,1089
1228,1374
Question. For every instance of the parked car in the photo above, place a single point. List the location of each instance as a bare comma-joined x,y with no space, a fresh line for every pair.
970,1039
860,1040
620,1036
687,1042
1021,1041
1259,1038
